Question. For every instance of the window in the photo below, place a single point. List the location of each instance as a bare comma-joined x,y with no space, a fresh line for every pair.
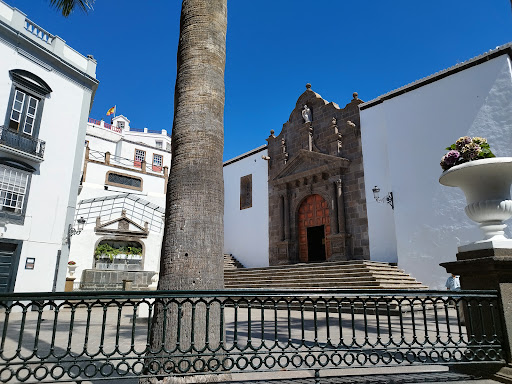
158,144
23,112
13,189
246,192
123,181
157,162
120,124
26,103
140,156
168,146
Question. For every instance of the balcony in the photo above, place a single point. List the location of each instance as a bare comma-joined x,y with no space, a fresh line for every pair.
27,147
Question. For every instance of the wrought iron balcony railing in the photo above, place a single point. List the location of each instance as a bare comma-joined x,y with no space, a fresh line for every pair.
20,143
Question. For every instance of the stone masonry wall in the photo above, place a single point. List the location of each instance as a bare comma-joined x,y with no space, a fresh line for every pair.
321,157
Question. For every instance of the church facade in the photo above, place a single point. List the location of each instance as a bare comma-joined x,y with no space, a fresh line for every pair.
316,190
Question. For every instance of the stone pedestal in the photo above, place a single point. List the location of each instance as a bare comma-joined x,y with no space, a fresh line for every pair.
114,280
489,269
69,284
338,248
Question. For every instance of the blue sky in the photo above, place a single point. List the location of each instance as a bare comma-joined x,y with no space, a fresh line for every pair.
274,47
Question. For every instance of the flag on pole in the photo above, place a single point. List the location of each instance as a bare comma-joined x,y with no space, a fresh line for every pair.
111,111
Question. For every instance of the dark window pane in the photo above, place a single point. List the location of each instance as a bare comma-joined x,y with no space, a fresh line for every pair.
125,180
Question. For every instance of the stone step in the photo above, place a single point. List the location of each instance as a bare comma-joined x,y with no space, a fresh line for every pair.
319,283
230,262
353,274
311,279
324,273
316,268
355,288
317,265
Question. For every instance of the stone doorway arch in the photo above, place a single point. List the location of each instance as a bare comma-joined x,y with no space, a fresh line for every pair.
314,226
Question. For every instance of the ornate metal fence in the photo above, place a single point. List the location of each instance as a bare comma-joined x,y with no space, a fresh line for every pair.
51,337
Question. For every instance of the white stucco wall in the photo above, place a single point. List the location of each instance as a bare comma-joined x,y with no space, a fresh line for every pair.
53,187
403,141
83,245
94,183
246,230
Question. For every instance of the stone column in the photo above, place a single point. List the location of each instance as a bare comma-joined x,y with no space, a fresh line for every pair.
281,218
489,269
341,206
286,215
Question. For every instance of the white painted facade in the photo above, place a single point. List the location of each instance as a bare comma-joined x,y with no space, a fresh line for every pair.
246,230
59,84
111,149
404,134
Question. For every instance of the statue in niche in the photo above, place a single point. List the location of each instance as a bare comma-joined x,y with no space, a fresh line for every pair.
306,114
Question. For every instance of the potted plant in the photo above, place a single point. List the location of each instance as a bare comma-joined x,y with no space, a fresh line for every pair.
485,181
71,268
105,251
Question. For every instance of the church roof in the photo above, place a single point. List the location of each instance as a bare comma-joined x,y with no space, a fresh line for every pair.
491,54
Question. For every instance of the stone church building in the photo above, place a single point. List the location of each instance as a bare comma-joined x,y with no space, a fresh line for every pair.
316,190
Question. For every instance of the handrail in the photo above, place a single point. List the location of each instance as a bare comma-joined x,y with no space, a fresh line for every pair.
101,335
21,142
122,161
370,293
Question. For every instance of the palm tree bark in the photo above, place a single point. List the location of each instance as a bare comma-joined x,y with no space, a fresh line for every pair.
192,248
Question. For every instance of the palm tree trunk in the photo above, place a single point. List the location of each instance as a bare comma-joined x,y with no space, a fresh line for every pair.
192,248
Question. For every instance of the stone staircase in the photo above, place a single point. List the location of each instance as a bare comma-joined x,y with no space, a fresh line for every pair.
354,274
230,262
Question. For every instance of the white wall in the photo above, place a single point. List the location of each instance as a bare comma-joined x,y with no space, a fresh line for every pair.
246,230
83,245
403,142
54,184
127,150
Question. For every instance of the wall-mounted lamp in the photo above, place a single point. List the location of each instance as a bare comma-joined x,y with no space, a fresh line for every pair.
388,199
72,231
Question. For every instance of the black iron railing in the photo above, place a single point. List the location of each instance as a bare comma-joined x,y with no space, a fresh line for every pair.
22,143
87,335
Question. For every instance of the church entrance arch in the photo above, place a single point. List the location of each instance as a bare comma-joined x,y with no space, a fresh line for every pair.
314,228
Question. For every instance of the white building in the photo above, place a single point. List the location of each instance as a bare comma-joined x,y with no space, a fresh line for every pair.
119,189
121,203
246,208
46,93
404,134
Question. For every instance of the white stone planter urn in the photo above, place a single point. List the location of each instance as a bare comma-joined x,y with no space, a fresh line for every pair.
71,270
486,184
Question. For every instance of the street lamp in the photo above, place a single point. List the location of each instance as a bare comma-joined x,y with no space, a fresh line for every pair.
387,199
72,231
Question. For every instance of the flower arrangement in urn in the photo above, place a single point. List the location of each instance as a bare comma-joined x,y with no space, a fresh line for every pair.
466,149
